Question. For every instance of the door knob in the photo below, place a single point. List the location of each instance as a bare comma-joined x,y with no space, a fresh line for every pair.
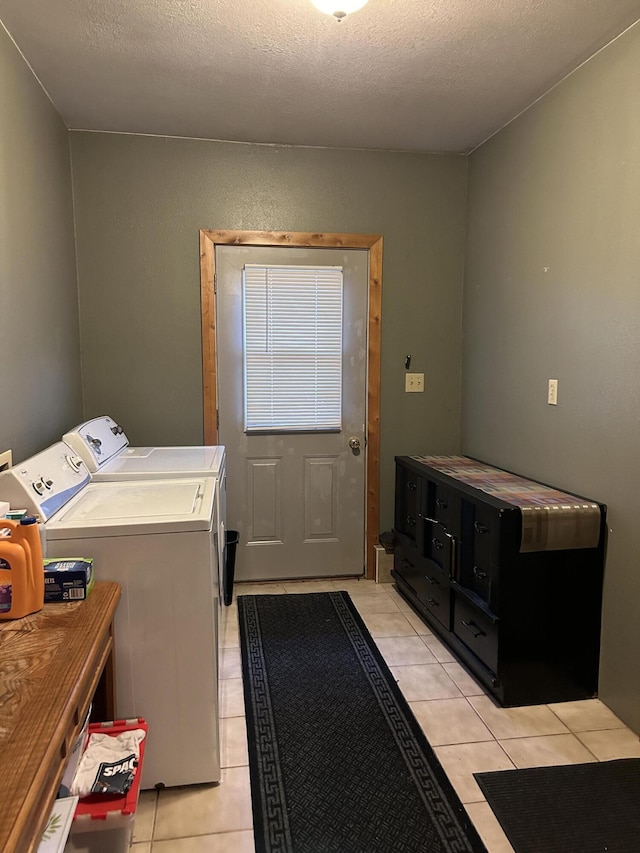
354,443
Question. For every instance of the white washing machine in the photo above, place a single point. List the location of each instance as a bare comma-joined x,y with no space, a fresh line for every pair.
104,447
156,538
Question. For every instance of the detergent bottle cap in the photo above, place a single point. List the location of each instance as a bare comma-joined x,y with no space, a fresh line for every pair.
29,519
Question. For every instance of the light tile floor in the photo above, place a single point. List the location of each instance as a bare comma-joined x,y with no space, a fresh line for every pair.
467,730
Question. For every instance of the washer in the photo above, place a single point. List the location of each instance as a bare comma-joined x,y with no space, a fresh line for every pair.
156,538
104,447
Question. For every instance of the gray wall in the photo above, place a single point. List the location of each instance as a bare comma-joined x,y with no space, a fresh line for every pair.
553,291
40,387
140,202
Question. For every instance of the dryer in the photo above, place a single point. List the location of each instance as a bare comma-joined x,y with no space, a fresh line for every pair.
156,538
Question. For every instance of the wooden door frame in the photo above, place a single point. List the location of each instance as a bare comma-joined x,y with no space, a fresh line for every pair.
301,239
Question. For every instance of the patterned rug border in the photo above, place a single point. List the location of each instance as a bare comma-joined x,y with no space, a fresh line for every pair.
454,828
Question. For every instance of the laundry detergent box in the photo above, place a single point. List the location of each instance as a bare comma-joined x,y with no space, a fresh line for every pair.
68,579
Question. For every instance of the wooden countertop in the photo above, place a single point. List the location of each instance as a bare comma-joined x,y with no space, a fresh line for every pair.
50,665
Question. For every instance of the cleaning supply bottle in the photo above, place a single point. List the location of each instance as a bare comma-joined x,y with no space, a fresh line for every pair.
28,534
16,579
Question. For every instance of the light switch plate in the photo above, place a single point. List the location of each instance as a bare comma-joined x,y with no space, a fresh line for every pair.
414,382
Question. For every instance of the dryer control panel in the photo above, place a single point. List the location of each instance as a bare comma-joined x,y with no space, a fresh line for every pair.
97,441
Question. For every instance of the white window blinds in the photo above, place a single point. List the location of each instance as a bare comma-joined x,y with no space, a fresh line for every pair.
292,348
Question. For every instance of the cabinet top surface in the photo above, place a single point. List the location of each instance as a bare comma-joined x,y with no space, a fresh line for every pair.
551,519
510,488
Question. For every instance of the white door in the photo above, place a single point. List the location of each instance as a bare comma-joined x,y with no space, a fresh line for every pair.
297,498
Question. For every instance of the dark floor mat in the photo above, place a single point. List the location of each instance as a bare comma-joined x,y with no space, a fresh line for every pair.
576,808
337,760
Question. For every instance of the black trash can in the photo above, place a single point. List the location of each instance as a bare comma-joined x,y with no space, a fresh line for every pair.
231,538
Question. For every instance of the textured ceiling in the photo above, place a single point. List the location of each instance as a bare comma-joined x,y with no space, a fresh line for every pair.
417,75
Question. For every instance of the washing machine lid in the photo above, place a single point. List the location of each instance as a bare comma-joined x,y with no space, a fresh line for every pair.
134,508
144,463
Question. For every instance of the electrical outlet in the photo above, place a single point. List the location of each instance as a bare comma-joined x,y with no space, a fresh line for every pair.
552,395
414,382
5,460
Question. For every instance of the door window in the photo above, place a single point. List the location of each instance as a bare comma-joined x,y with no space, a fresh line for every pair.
293,348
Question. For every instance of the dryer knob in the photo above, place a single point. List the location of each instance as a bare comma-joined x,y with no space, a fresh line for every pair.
95,443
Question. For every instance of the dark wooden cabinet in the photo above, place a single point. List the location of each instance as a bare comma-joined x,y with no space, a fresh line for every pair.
515,597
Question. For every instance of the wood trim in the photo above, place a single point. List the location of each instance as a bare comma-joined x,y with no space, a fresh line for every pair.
296,239
302,239
373,403
208,315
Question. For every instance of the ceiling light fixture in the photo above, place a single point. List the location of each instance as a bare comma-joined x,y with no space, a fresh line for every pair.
339,8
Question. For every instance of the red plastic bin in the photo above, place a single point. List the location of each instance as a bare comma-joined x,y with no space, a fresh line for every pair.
104,823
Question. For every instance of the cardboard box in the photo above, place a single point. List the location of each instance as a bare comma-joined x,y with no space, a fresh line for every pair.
74,758
69,579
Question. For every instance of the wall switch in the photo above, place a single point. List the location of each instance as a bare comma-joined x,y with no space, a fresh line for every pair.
552,396
5,460
414,382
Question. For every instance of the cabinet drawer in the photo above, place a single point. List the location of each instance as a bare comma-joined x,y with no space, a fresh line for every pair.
480,551
477,630
480,578
440,503
429,584
408,498
437,599
438,546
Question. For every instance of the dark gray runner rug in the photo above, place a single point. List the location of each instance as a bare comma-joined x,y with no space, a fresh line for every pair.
336,757
574,808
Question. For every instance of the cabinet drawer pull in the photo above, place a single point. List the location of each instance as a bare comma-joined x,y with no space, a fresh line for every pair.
432,581
479,527
412,486
433,602
477,632
437,544
479,573
441,503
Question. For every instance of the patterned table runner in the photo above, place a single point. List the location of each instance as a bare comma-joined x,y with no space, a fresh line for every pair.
551,520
